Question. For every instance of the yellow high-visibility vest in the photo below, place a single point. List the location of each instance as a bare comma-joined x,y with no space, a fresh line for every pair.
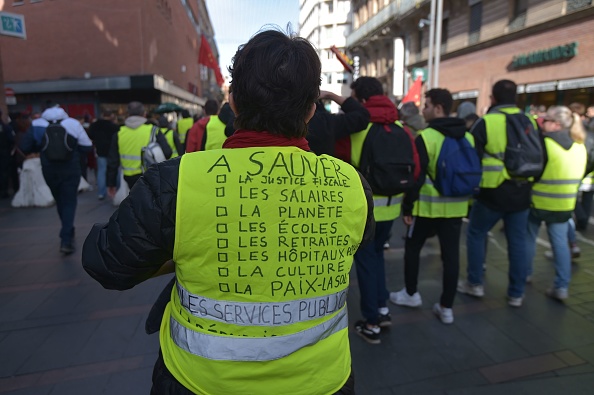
264,242
431,203
494,171
385,208
130,145
183,125
558,186
215,133
168,133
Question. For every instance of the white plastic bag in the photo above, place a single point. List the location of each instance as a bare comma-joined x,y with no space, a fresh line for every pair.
33,191
122,192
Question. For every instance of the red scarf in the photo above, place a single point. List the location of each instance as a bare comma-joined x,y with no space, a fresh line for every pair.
247,138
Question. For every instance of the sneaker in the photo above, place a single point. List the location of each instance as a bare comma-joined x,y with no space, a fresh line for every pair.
386,246
515,302
402,298
557,293
385,320
369,333
444,314
575,251
469,289
549,254
66,248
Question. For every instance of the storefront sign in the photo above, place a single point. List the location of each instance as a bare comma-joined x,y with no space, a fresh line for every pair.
419,72
577,83
465,95
566,51
548,86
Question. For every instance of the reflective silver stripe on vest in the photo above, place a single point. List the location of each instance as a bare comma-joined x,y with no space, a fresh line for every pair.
130,168
130,157
493,168
387,201
555,195
443,199
496,155
559,182
261,314
229,348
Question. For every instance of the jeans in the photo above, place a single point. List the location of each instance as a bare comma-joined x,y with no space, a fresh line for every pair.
571,231
371,273
64,188
481,220
558,237
448,232
583,208
101,174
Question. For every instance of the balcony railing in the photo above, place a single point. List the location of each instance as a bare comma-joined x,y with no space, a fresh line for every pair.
392,11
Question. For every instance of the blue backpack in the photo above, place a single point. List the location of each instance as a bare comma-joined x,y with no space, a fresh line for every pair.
458,171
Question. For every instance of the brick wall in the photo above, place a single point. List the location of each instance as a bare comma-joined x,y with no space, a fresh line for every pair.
65,39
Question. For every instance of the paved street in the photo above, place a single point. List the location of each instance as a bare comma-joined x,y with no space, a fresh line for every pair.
62,333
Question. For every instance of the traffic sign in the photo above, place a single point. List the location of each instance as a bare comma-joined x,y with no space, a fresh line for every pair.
10,97
419,72
12,25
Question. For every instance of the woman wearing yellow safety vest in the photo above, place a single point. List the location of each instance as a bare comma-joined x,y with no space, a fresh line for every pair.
554,194
261,235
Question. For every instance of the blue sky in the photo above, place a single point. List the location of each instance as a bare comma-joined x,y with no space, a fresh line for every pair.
235,21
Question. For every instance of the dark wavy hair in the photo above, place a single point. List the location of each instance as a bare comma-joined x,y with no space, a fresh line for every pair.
365,87
275,81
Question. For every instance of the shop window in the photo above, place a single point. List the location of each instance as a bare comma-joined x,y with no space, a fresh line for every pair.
573,5
518,19
476,20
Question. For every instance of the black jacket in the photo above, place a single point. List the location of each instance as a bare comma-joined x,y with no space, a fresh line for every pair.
102,132
113,160
511,195
140,235
451,127
325,128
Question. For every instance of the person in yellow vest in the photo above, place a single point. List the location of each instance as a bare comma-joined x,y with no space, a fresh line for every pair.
262,266
126,147
554,194
369,260
171,136
183,126
211,131
500,198
433,213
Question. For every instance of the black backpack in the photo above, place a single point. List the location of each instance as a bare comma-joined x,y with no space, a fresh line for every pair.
58,145
389,159
524,153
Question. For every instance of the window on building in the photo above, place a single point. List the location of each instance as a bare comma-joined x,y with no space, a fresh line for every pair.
18,2
518,19
330,5
476,20
445,27
573,5
328,78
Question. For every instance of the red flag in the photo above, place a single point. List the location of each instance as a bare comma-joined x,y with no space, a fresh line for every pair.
343,59
414,93
206,58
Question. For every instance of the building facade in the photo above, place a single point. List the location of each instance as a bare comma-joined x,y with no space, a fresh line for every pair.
545,46
96,54
326,23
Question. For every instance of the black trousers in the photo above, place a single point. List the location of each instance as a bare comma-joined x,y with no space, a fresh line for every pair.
165,384
448,232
